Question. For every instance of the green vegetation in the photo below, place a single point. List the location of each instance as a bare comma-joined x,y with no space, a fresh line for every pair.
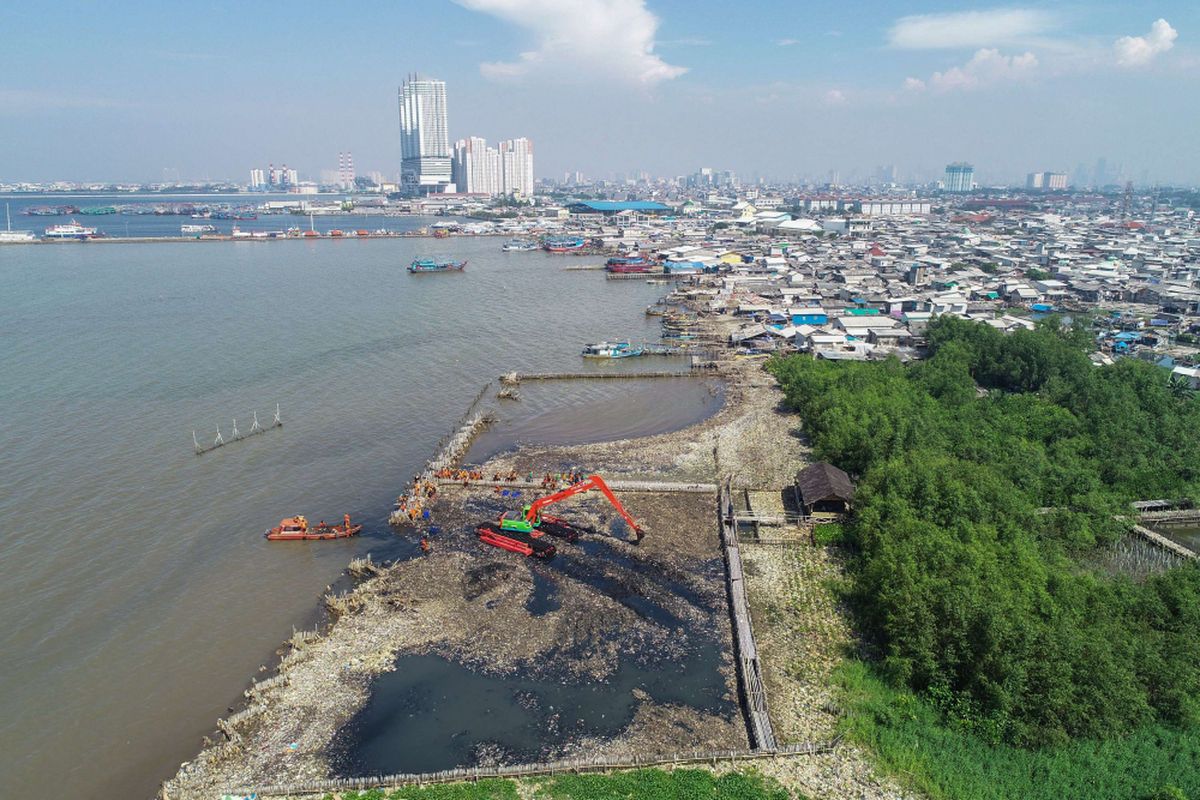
642,784
483,790
908,737
655,784
976,513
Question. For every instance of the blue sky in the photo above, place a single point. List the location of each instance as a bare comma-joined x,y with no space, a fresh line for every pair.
126,90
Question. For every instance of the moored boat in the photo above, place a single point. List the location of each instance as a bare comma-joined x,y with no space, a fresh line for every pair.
297,529
628,263
434,265
563,244
611,350
69,230
196,230
519,245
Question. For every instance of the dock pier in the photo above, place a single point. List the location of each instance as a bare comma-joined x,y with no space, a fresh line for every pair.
762,736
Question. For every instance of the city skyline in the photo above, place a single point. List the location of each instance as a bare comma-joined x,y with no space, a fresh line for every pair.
776,92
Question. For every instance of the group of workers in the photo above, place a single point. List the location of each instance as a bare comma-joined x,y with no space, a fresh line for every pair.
413,504
551,480
464,475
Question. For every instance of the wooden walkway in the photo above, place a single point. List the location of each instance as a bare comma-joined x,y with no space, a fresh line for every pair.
616,486
1165,543
762,737
571,766
519,377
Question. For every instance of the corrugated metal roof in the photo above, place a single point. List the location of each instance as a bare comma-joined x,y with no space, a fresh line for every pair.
626,205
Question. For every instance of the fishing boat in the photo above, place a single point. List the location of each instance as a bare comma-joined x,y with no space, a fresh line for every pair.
611,350
563,244
628,263
433,265
519,245
197,230
10,236
297,529
69,230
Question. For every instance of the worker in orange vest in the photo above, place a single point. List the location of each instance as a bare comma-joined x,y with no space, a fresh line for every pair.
424,545
346,521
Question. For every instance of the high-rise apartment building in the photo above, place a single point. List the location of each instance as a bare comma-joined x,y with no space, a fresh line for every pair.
516,167
258,179
424,136
476,167
960,177
1046,181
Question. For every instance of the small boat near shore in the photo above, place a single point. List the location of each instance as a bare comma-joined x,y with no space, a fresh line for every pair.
197,230
297,529
611,350
432,265
519,246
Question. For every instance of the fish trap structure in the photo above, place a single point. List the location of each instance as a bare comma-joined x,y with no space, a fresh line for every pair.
256,428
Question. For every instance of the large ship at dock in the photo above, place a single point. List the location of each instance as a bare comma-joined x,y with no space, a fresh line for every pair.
69,230
629,263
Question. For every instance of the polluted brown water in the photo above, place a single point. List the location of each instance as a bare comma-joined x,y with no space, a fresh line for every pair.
433,712
145,594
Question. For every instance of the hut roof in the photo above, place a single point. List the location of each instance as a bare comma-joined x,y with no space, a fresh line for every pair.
822,481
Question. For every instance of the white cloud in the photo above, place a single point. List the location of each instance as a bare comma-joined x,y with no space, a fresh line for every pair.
988,66
969,28
835,97
787,42
1137,51
607,38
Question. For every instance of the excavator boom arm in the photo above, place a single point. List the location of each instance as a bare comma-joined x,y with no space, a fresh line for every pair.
593,482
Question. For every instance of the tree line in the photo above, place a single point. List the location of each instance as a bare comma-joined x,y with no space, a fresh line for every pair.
990,475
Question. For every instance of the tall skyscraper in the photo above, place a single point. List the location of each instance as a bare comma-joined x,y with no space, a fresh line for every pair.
476,167
1046,181
516,165
258,179
424,137
960,177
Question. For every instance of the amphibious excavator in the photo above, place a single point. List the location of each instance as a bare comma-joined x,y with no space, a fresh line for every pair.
523,531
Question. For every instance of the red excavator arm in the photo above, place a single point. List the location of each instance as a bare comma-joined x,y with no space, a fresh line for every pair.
593,482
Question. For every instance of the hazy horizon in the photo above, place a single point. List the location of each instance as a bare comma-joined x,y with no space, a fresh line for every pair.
145,92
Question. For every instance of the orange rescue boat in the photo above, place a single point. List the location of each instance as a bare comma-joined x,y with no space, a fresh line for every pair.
295,529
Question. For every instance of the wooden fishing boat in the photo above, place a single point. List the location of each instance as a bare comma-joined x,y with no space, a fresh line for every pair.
297,529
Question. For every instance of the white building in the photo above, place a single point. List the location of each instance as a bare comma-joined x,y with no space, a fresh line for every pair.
1046,181
516,167
476,167
424,137
960,177
258,179
876,208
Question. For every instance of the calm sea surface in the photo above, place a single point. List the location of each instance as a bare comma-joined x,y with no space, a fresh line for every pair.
139,594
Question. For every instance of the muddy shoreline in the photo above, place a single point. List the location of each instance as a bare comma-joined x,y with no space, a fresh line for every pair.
471,605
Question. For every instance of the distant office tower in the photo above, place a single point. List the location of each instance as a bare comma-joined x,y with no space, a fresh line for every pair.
516,167
424,140
258,179
476,167
960,177
1046,181
345,176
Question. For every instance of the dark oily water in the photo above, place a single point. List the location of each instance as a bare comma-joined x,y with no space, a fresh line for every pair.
142,593
432,714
